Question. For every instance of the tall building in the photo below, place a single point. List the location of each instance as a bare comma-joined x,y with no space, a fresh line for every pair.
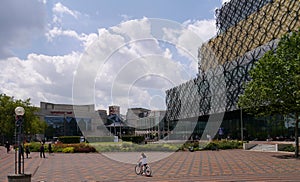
246,31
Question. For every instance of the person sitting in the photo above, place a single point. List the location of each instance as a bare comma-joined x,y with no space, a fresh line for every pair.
142,162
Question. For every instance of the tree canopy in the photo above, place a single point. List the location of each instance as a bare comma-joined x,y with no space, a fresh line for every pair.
274,87
275,80
32,124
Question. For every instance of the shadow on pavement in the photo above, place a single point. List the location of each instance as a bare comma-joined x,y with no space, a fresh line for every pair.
286,156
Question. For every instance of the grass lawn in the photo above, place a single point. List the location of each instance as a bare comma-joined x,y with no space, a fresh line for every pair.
131,147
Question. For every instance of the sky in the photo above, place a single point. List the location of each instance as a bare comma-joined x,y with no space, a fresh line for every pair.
101,52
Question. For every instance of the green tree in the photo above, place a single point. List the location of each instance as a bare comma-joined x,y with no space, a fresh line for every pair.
275,82
32,124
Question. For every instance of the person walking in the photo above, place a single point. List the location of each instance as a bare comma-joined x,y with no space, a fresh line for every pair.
42,151
27,151
7,146
50,148
22,151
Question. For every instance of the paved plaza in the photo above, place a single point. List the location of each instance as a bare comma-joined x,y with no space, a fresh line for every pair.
223,165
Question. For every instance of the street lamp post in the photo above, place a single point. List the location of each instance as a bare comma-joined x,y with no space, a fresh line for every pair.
19,154
242,125
19,111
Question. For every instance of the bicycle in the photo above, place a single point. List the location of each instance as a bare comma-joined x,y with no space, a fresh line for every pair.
145,169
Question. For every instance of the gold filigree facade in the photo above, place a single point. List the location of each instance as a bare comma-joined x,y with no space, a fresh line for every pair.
246,31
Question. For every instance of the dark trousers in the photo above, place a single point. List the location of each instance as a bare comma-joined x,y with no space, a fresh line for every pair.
42,154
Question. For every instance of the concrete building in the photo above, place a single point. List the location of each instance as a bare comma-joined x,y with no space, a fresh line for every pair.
84,120
133,115
72,120
146,122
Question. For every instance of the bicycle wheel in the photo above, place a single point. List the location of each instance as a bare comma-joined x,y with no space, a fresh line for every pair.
137,169
148,170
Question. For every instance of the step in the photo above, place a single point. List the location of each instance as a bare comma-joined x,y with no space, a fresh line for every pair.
264,147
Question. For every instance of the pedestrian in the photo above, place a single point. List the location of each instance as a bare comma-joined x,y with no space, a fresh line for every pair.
22,151
42,151
50,148
27,151
7,146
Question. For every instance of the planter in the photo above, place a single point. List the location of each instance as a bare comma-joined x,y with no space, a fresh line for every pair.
19,178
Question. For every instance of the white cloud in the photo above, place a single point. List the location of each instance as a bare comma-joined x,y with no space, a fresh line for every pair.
55,29
85,39
205,29
134,29
39,77
125,65
61,9
51,34
225,1
126,17
168,54
190,38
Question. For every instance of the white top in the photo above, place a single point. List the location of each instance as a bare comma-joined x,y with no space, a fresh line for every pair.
143,160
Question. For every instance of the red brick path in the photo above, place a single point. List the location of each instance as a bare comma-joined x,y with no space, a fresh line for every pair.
224,165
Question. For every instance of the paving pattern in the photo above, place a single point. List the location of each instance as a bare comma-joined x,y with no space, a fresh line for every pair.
223,165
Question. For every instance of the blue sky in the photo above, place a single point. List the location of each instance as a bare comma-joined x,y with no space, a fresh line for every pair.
110,50
86,17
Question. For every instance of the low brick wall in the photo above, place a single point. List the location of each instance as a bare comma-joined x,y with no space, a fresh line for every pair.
248,146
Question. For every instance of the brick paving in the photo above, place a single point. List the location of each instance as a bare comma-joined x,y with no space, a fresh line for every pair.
223,165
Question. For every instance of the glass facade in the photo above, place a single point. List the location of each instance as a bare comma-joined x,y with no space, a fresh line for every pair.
66,126
246,31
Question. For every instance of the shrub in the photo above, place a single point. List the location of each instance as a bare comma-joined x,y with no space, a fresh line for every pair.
100,139
60,147
289,148
69,139
83,148
33,146
134,139
223,144
214,145
68,150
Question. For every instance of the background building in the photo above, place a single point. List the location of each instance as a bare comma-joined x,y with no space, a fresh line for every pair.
146,122
83,120
114,110
70,120
246,31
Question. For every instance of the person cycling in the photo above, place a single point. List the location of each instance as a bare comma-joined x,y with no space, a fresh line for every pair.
142,161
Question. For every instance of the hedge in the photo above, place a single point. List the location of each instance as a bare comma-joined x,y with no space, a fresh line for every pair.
69,139
134,139
65,148
95,139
